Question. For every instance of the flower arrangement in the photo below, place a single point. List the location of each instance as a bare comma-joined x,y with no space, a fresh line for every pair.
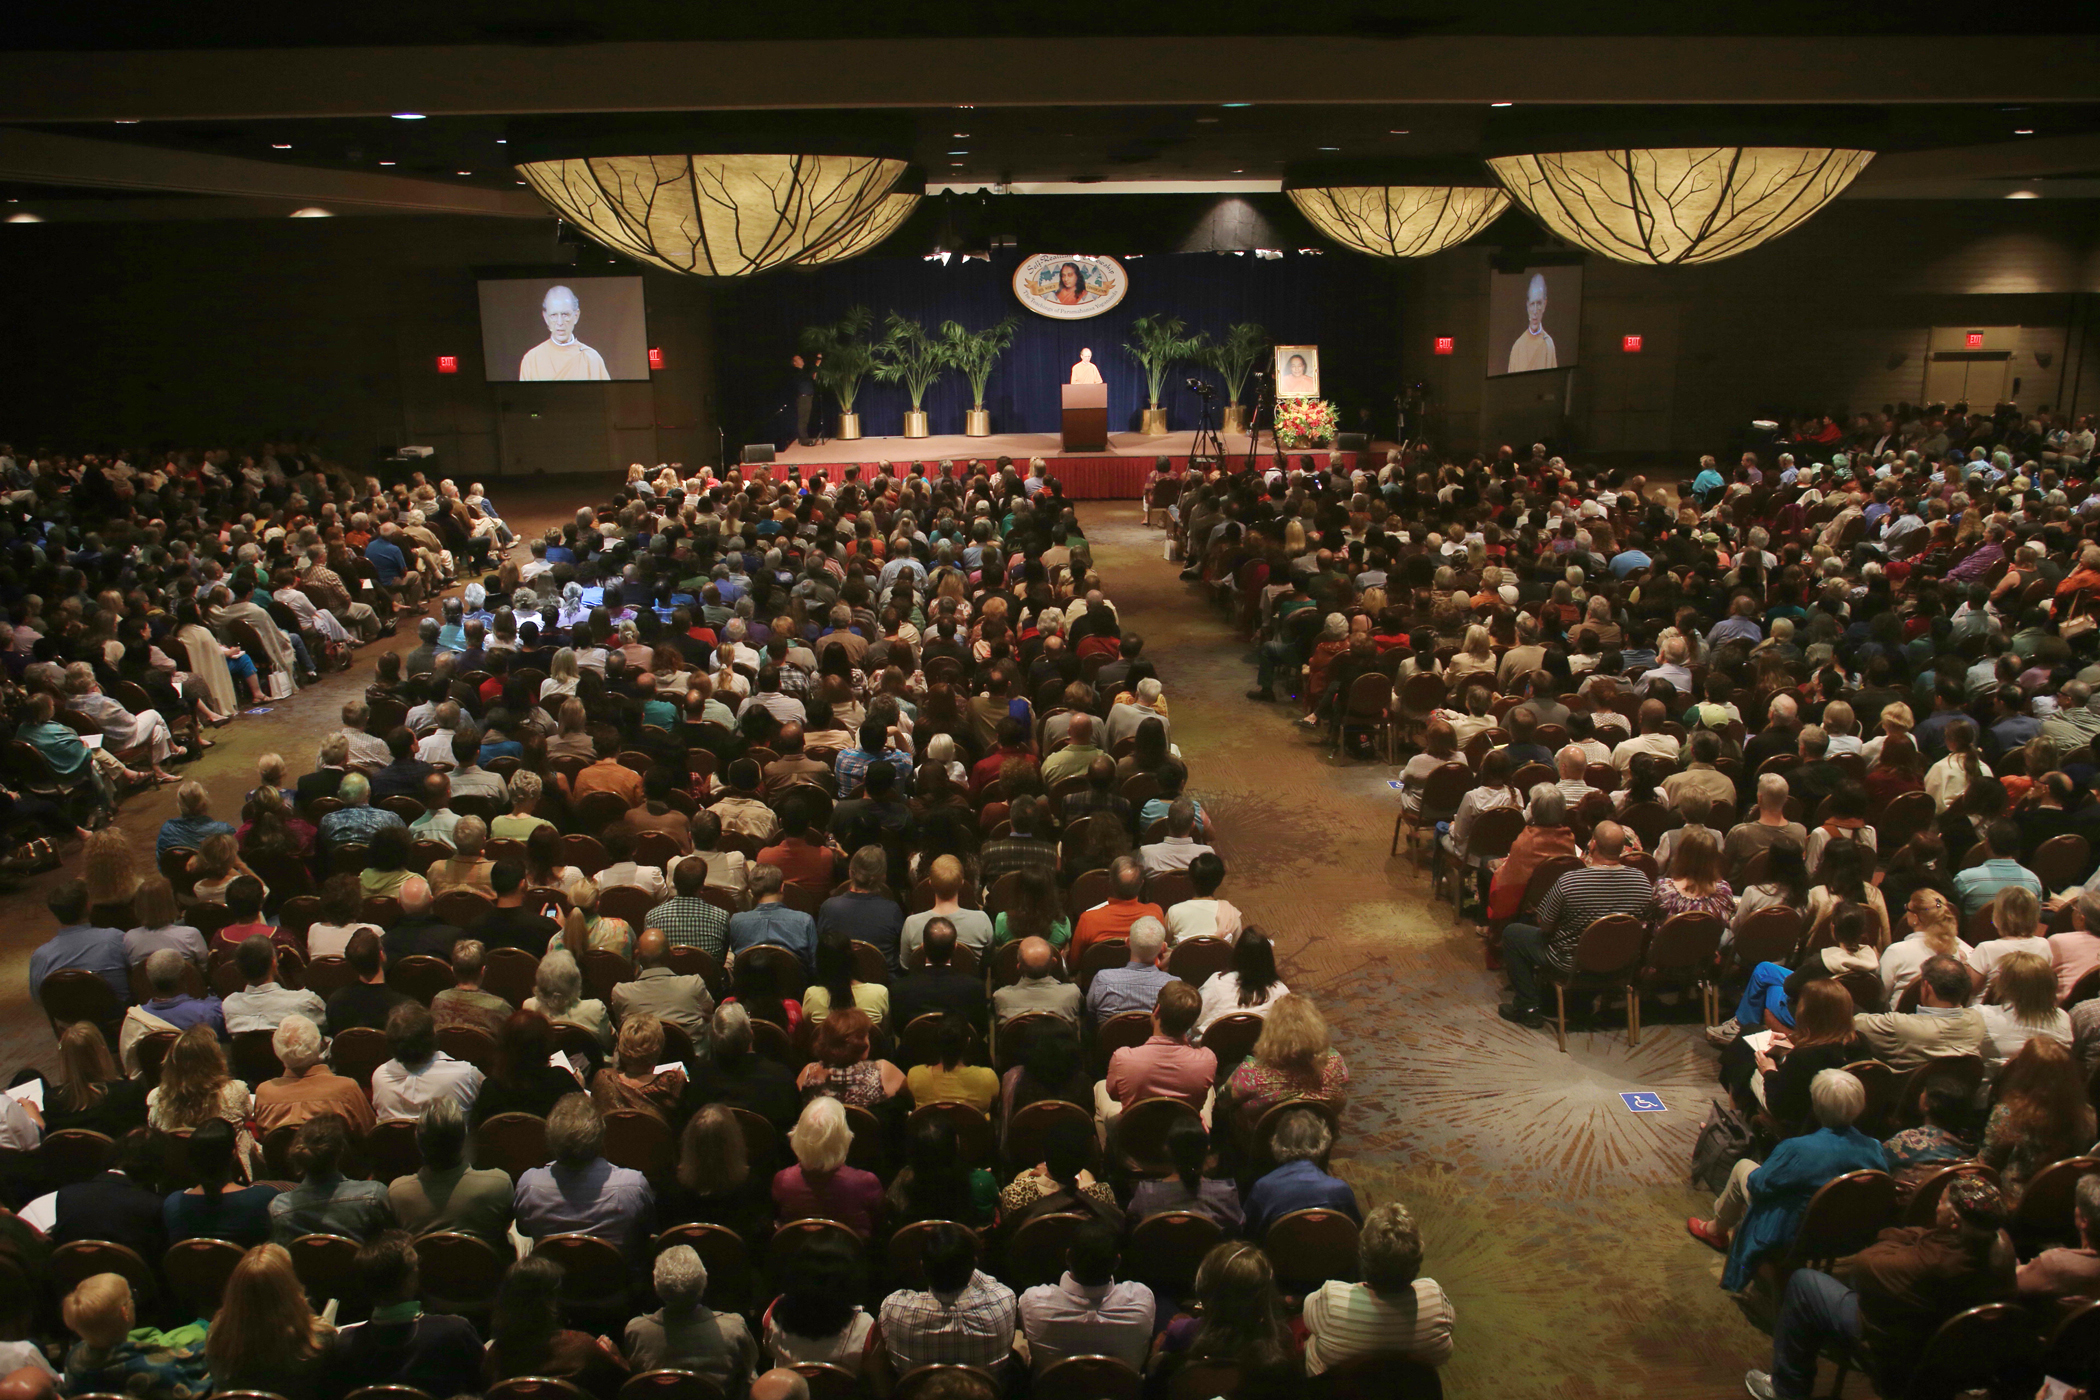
1305,422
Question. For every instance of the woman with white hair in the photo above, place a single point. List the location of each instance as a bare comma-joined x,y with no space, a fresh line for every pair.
685,1334
820,1184
573,610
1759,1210
558,995
561,674
121,729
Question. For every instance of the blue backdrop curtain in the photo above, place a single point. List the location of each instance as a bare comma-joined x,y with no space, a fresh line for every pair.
1346,304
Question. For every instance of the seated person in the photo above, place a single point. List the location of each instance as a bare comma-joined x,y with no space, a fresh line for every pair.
2070,1271
1393,1312
1301,1142
951,1078
1087,1312
444,1193
419,1072
820,1183
325,1202
114,1356
962,1317
579,1191
307,1086
401,1344
685,1334
1165,1066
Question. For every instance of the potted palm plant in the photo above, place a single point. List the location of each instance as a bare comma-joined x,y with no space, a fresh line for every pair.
974,353
1234,359
908,355
845,357
1158,343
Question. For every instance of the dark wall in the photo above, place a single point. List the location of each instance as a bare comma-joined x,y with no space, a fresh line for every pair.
1342,303
1834,315
324,329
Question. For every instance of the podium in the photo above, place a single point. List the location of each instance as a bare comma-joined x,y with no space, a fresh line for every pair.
1085,427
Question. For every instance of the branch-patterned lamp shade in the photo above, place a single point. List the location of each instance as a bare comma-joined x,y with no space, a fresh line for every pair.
1677,205
719,215
884,221
1400,221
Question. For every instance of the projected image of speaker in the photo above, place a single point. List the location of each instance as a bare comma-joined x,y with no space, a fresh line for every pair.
566,328
756,452
1534,319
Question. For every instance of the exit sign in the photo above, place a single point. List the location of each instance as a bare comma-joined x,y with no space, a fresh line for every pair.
656,357
1445,345
1975,339
448,364
1631,344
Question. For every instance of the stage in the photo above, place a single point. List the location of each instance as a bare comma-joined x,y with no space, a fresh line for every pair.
1116,474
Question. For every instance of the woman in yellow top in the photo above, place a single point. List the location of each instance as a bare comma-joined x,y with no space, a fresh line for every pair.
389,857
951,1080
837,986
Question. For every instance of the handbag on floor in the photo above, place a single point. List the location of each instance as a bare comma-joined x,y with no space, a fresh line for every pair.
1724,1140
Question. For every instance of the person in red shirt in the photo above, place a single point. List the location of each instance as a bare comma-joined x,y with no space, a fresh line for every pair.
244,901
802,854
1166,1066
608,774
1013,743
1113,919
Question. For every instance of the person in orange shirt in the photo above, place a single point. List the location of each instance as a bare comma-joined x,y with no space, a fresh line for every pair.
608,774
1113,919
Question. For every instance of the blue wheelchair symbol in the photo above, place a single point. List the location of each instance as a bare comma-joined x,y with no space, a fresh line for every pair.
1644,1103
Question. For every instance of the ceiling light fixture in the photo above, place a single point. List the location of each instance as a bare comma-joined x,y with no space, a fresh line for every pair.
1674,206
313,211
25,218
280,145
462,172
408,116
386,162
502,140
1502,104
2023,131
719,215
1398,221
127,121
2024,194
1397,131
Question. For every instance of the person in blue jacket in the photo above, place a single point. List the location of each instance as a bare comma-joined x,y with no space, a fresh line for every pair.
1757,1213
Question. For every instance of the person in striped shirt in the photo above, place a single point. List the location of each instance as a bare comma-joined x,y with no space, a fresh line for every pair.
1578,899
1393,1312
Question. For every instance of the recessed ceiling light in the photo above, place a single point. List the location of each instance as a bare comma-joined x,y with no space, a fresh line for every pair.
462,172
1235,104
386,162
1502,104
280,145
127,121
1330,148
1396,132
408,116
2024,194
955,165
2024,131
962,152
1238,171
502,141
961,134
517,182
25,218
313,211
1206,119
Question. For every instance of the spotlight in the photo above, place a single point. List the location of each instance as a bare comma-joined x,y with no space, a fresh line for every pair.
408,116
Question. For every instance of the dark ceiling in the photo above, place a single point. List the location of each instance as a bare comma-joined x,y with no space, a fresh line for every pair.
137,24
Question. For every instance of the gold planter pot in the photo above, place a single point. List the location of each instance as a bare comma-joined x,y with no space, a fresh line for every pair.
915,425
977,423
849,427
1235,420
1154,423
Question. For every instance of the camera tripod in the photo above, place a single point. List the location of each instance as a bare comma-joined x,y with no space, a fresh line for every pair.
1208,449
1264,396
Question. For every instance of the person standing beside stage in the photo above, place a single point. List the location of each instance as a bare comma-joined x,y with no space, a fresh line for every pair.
803,387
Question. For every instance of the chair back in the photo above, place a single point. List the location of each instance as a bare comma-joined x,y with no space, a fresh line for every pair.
1027,1129
197,1270
2074,1347
1864,988
420,976
794,1234
1842,1218
390,1149
1422,692
70,1264
1140,1135
973,1129
509,973
629,902
1906,815
1610,946
789,976
1922,1209
670,1385
1769,935
1035,1253
761,1141
463,907
1880,1083
828,1382
1445,788
465,1041
1379,1376
511,1142
153,1051
1100,955
604,969
907,1251
2044,1211
1994,1347
1308,1247
75,994
253,1059
1090,888
2061,861
1166,1249
356,1052
1090,1377
534,1388
1494,833
593,1271
1231,1038
327,1268
75,1154
1167,888
1196,960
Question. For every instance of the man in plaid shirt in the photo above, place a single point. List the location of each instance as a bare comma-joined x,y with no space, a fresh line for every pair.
687,920
852,767
963,1317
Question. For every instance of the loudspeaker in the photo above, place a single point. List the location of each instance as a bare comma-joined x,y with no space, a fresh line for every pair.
1352,442
757,452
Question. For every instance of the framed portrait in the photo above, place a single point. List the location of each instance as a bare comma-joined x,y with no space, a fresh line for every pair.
1297,371
1069,286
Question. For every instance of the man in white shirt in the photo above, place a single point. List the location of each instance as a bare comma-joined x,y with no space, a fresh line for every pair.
419,1073
1087,1312
1181,846
436,746
1651,739
366,750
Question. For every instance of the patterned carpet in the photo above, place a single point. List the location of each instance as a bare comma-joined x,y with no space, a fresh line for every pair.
1551,1213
